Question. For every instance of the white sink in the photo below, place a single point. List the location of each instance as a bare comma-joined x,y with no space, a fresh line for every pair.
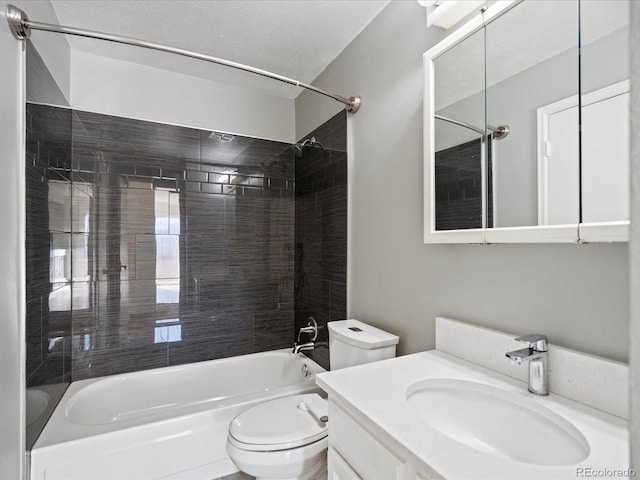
497,421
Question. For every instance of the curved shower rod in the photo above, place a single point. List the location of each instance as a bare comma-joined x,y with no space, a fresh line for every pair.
497,132
21,27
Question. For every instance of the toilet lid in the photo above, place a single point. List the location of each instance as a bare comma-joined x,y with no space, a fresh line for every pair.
278,424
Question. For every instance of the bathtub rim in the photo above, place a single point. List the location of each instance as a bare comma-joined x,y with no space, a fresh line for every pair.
59,429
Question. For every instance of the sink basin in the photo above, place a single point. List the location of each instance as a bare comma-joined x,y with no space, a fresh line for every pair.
497,421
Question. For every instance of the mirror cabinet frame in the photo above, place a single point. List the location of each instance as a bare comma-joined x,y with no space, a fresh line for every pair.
569,233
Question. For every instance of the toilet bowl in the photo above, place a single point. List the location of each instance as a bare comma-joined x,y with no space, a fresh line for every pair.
280,439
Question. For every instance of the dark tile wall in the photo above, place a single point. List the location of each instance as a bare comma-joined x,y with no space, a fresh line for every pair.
321,231
48,245
48,240
458,187
188,244
179,244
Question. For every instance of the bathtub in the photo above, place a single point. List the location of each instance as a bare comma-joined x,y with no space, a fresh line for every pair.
168,423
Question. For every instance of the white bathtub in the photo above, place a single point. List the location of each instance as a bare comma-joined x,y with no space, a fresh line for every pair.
168,423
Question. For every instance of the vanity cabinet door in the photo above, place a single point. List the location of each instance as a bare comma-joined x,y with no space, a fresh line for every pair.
338,468
361,452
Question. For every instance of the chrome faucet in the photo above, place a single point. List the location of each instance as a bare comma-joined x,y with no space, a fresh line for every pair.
536,355
310,329
301,347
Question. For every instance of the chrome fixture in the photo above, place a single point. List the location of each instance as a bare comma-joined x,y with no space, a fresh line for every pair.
309,142
310,329
221,137
21,27
536,355
496,132
301,347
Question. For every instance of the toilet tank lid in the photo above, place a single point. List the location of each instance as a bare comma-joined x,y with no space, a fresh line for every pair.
361,335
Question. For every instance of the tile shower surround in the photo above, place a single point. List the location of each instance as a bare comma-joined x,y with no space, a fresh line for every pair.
48,167
458,187
321,231
223,207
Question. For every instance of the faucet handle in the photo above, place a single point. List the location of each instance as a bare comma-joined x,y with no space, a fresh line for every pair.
535,341
311,328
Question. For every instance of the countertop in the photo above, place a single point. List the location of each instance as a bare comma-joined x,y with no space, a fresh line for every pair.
376,392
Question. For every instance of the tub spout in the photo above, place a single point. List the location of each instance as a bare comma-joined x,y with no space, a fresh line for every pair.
300,347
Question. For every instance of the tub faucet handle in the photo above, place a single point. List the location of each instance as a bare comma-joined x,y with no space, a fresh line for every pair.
311,328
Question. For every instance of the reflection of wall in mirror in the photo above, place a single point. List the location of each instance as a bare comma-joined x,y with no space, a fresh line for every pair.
515,162
605,157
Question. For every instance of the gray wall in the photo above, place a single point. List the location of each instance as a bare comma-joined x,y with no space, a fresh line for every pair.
635,239
577,294
126,89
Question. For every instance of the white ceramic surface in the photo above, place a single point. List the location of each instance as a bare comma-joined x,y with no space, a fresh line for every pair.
129,396
352,342
278,424
594,381
37,402
302,463
497,422
176,428
376,396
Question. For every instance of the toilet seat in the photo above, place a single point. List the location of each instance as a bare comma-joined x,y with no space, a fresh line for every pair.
277,425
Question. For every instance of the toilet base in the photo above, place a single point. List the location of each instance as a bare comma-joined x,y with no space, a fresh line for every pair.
314,473
302,463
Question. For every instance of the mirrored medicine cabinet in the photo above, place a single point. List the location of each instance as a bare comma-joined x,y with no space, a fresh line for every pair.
527,125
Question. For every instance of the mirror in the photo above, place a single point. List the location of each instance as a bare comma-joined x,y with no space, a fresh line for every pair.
506,97
460,136
604,28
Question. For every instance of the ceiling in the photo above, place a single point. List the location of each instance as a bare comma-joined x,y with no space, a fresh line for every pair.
294,38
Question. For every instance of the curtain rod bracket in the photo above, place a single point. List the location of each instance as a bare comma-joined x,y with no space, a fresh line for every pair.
21,27
352,104
18,22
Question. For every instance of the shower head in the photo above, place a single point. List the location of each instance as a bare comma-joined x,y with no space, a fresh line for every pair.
297,149
309,142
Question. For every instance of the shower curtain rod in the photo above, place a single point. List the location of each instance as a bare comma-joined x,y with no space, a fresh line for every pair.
21,27
498,132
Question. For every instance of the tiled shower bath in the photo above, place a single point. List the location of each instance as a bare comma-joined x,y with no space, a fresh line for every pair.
151,245
458,186
321,232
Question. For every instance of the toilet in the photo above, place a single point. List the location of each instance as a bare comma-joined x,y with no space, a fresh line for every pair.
286,438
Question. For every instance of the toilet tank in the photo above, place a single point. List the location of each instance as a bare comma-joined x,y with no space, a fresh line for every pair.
352,342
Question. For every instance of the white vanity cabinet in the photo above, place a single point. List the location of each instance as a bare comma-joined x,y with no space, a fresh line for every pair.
356,452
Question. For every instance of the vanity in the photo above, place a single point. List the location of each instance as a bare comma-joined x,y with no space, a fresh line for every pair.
464,411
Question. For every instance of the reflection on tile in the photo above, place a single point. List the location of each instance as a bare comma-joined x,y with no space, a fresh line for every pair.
48,244
183,243
183,270
458,187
